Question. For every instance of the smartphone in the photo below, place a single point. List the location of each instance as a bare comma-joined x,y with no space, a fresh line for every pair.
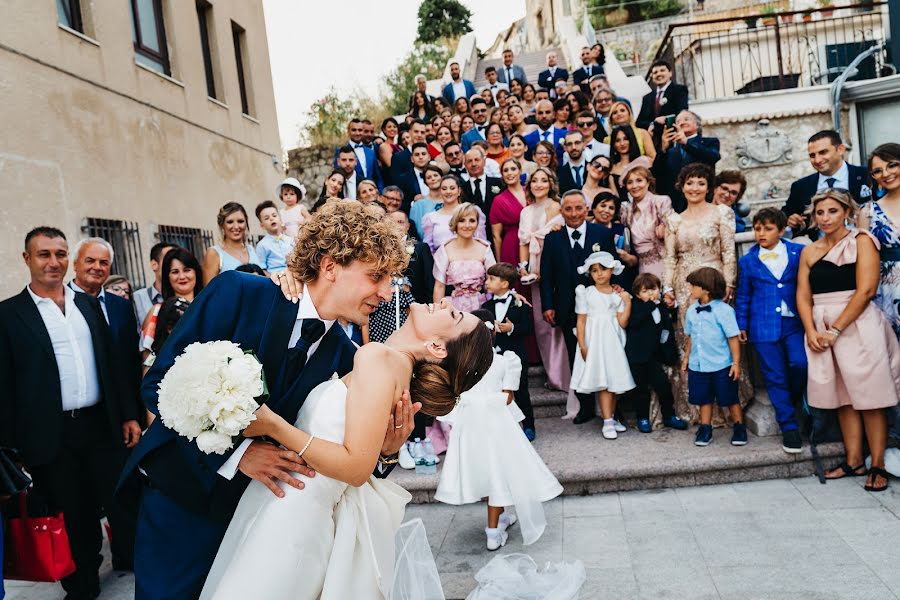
670,120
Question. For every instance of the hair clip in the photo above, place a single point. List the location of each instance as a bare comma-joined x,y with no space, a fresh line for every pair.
457,401
489,325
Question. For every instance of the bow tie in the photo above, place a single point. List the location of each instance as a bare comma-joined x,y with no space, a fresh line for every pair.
504,300
768,256
706,308
359,145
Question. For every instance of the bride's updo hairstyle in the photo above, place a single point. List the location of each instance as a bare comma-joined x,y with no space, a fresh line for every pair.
438,385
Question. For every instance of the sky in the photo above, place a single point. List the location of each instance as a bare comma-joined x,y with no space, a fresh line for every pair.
351,44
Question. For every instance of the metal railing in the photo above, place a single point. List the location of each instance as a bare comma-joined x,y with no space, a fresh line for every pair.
720,58
192,239
125,238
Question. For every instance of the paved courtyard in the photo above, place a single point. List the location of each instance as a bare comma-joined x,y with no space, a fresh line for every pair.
765,540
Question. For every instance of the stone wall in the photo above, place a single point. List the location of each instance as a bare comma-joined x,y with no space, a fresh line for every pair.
311,166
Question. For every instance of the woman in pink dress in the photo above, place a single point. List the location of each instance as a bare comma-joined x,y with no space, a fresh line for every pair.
463,261
505,212
536,220
436,229
645,216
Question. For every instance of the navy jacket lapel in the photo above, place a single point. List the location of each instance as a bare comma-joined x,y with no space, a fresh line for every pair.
276,335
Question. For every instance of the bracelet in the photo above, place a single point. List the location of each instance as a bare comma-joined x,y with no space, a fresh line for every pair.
835,332
839,331
393,459
311,438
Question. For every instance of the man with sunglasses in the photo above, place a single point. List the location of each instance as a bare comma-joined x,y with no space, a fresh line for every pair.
453,160
587,125
479,110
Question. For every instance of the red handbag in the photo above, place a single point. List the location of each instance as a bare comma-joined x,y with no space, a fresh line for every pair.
38,547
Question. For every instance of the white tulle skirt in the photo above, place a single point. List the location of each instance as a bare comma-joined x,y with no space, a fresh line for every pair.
516,577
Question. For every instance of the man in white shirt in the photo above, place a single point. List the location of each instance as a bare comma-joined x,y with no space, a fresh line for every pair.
62,408
495,86
146,297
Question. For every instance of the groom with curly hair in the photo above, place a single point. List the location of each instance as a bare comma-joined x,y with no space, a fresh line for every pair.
344,257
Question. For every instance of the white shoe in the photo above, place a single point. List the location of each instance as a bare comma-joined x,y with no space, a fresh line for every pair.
507,520
619,427
495,538
406,459
609,430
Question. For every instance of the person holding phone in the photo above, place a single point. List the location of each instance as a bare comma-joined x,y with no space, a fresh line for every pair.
682,144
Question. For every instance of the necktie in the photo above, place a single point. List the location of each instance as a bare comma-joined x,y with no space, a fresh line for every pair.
545,135
659,95
602,122
311,332
476,192
706,308
576,175
768,256
576,235
508,75
830,182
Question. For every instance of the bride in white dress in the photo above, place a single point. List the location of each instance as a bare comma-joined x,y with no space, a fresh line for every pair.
335,538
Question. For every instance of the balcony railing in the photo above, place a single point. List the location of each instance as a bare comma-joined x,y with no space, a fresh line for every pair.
720,58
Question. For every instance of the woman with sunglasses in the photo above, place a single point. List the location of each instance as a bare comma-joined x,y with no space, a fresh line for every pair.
597,177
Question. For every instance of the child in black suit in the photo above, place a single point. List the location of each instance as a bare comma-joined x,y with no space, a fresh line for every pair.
651,344
513,325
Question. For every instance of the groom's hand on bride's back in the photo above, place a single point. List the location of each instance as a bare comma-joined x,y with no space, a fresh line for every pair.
268,464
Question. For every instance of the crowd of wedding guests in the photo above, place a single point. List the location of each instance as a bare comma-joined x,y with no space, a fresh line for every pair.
602,241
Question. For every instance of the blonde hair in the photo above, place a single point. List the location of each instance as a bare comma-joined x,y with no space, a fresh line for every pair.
464,209
842,197
348,231
612,109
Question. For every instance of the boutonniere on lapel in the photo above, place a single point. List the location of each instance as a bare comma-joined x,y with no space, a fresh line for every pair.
865,192
518,303
410,248
595,248
664,101
495,189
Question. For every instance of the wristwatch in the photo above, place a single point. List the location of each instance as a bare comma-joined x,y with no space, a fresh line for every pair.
389,460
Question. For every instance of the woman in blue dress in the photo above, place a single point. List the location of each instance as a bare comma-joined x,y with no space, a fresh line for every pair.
235,249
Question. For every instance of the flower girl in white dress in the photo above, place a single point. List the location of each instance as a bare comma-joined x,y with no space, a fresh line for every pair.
601,364
489,456
335,538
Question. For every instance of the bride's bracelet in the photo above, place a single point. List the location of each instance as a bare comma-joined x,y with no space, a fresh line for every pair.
311,438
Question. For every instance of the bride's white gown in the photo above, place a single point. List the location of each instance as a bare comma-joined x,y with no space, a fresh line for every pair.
328,540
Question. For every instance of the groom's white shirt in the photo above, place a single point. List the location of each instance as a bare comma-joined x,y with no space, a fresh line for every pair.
305,310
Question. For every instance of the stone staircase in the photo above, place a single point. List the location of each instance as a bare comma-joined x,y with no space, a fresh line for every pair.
532,62
585,463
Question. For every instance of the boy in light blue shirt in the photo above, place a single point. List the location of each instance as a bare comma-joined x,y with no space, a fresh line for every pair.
273,249
712,354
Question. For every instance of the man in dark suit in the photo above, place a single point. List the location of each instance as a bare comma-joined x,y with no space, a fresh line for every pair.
412,182
564,251
478,188
588,69
826,154
458,87
683,144
93,259
665,97
546,132
189,496
513,324
509,71
421,263
573,173
401,163
548,77
603,101
366,160
479,110
63,407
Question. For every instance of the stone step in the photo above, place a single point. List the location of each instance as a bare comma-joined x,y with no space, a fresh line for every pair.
585,463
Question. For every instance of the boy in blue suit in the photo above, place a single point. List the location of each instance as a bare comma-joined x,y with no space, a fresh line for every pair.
766,307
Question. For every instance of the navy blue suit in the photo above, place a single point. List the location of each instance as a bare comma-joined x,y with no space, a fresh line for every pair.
548,81
805,188
450,97
186,504
559,278
371,172
778,339
514,341
582,76
567,178
126,338
676,100
533,138
471,136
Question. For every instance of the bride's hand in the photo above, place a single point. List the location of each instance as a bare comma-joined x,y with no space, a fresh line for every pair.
264,424
290,286
400,424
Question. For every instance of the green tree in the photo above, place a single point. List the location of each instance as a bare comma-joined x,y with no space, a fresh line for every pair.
427,59
442,20
326,119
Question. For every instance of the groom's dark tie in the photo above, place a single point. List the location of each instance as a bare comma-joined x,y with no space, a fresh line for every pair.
311,332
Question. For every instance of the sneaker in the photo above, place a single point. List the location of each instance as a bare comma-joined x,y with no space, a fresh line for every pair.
495,538
675,423
739,435
609,430
507,520
791,442
704,435
644,426
406,459
529,433
619,427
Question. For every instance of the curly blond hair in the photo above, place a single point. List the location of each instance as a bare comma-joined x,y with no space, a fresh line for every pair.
348,231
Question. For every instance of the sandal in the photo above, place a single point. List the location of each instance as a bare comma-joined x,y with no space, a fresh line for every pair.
848,471
875,472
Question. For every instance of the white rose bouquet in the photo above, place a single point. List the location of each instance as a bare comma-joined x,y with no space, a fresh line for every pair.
211,394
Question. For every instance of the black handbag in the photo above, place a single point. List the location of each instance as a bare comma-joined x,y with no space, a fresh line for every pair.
13,480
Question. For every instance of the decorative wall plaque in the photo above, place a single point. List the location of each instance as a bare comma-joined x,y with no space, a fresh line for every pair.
765,146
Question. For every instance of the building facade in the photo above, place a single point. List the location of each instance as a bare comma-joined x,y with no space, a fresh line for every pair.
134,120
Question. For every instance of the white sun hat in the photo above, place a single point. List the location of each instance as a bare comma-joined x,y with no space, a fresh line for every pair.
602,258
291,181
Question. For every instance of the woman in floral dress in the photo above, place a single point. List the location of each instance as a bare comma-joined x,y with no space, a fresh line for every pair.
463,261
